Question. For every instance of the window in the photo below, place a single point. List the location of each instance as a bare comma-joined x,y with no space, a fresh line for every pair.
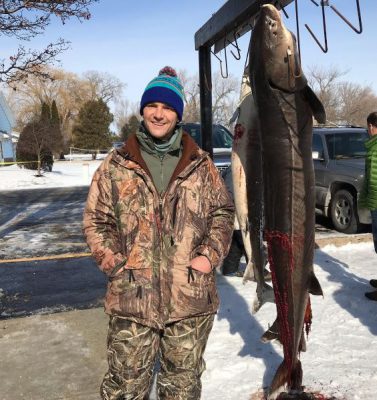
221,137
347,145
318,145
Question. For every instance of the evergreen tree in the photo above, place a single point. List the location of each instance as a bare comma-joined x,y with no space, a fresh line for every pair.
39,140
56,128
45,113
131,126
92,129
55,118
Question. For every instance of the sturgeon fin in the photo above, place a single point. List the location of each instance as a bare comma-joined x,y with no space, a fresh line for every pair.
284,377
263,296
249,273
235,116
272,333
302,346
314,286
315,104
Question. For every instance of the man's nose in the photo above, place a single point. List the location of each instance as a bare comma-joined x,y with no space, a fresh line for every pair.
159,113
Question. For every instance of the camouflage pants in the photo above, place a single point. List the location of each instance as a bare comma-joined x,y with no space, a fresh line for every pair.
133,350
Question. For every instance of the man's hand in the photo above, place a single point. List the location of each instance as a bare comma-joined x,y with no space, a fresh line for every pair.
202,264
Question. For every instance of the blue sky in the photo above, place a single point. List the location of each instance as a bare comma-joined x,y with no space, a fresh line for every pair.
132,40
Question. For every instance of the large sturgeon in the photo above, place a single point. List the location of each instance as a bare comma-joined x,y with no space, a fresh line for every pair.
248,190
285,106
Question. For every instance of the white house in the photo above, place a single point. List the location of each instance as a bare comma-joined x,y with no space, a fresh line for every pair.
7,139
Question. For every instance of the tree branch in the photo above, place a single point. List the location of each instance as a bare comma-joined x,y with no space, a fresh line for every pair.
24,19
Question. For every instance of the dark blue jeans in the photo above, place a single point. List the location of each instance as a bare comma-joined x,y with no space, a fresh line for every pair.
374,228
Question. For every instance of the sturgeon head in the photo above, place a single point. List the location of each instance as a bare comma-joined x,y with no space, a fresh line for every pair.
278,51
274,58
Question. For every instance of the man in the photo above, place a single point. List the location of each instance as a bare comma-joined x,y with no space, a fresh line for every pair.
368,197
158,220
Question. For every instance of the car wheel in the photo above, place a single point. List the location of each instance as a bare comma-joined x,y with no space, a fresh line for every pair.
343,212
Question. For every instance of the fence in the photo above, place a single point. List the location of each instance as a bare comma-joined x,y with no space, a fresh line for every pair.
18,162
76,153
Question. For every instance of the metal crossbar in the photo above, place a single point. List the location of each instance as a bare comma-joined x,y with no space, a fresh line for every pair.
229,23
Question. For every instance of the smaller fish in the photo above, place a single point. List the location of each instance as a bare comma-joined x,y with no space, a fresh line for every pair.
248,191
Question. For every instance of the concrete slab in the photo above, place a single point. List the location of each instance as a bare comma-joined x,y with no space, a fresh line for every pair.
53,357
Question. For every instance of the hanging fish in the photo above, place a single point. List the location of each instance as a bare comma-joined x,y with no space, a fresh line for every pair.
285,106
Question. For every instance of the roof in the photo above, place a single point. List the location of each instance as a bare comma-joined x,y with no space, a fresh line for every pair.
337,129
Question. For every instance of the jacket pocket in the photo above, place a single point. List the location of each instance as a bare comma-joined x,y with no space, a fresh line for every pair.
196,292
117,268
131,290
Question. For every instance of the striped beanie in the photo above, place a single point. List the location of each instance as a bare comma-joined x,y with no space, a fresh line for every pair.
165,88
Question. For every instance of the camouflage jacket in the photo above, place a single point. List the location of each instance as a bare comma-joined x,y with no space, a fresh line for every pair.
128,223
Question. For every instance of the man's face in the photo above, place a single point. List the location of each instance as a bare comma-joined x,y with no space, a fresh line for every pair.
372,130
160,120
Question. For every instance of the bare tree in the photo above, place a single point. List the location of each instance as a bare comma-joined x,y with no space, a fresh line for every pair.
124,109
68,90
345,102
224,95
355,103
24,19
102,85
324,82
192,96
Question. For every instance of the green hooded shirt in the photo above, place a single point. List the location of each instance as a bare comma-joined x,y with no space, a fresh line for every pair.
160,156
368,196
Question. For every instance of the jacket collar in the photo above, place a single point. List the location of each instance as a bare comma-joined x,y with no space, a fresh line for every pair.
190,152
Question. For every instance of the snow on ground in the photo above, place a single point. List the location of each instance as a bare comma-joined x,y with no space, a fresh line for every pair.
341,348
77,172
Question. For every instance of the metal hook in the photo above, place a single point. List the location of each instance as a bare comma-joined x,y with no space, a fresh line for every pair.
298,35
277,2
323,4
238,57
349,23
226,62
248,48
247,57
221,63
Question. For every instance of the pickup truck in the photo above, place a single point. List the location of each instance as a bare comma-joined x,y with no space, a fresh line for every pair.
339,165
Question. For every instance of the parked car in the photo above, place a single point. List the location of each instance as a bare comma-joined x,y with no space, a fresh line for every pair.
339,165
221,140
117,145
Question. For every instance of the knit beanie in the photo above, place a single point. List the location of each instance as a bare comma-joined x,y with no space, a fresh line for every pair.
165,88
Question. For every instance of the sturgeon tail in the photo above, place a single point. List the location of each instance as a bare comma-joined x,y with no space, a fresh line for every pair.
285,377
249,274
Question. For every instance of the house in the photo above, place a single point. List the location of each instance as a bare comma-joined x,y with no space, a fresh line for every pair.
7,138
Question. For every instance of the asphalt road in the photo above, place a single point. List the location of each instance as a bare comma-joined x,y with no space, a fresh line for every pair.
48,286
47,223
41,222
